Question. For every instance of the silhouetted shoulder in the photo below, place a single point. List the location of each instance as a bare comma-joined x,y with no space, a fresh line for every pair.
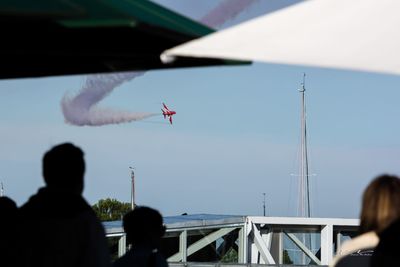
57,226
357,250
359,258
386,253
55,203
46,219
141,257
8,211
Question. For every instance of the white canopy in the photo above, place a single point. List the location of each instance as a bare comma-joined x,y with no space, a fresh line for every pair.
349,34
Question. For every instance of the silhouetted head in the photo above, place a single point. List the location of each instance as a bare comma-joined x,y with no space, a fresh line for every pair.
8,211
144,225
64,167
380,204
7,207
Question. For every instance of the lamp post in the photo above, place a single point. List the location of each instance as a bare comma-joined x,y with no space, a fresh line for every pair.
132,188
264,204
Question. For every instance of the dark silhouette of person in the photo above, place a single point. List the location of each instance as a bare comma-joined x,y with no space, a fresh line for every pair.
380,208
8,211
387,252
144,229
57,226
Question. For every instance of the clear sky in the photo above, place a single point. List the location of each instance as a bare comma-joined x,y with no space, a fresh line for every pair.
235,136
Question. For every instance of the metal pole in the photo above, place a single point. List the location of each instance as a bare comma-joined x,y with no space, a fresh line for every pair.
304,166
305,183
2,190
132,188
264,204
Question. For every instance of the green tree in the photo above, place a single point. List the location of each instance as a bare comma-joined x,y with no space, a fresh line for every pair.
230,257
110,209
286,257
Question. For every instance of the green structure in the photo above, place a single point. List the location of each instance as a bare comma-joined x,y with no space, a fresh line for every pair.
54,37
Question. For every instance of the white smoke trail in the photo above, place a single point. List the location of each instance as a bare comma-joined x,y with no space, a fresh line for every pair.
82,109
226,11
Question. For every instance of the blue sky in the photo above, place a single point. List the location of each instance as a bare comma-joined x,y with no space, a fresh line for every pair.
236,135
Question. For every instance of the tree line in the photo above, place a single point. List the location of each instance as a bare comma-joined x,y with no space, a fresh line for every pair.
110,209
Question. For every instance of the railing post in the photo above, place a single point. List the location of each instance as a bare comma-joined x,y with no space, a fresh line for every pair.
183,245
326,244
122,246
242,244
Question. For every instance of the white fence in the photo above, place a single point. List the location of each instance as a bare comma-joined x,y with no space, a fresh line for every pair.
256,240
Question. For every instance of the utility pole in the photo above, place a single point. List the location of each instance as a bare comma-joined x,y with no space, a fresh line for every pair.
264,204
132,188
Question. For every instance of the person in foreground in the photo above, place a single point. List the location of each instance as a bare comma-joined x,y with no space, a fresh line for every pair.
57,226
380,208
144,229
8,211
386,254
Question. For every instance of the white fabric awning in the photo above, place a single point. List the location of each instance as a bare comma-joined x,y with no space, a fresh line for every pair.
356,35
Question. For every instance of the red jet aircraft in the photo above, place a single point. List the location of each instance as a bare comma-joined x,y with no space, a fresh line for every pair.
167,113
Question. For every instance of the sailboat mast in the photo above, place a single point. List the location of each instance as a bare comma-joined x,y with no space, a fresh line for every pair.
304,175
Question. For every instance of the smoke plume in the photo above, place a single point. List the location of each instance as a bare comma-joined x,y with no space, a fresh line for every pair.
226,11
81,109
